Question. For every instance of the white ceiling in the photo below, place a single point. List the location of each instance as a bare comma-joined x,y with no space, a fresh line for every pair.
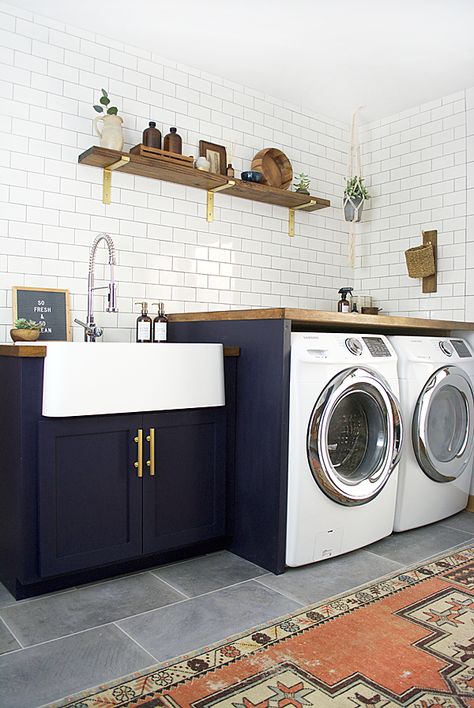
329,56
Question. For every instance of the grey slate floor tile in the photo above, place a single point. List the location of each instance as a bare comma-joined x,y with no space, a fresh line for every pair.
7,640
57,615
318,581
51,671
192,624
418,544
6,598
464,521
207,573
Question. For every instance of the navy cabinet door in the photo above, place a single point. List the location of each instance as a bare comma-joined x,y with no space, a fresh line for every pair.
184,502
90,497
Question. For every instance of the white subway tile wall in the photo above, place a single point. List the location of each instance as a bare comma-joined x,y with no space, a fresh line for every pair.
416,166
51,207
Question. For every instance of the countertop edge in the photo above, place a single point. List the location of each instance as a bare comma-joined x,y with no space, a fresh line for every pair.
328,319
39,352
23,352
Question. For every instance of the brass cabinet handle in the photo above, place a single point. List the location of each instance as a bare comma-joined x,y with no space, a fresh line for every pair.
151,462
139,463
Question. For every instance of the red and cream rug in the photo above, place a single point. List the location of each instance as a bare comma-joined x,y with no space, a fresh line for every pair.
405,640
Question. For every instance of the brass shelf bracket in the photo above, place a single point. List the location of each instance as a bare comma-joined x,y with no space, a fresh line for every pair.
210,198
107,181
291,215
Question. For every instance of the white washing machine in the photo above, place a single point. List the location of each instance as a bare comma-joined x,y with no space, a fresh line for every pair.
344,443
436,396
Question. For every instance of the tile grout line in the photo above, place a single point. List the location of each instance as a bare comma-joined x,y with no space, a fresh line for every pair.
157,577
13,635
113,622
28,600
280,592
57,639
136,642
121,619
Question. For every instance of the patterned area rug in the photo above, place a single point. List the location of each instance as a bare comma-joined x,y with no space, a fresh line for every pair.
406,640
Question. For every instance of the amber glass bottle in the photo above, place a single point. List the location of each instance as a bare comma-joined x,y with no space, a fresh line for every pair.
143,331
152,136
173,142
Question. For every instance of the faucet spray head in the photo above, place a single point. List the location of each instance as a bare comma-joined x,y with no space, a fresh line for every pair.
112,298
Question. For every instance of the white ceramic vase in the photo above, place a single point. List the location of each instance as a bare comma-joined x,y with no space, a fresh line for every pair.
111,135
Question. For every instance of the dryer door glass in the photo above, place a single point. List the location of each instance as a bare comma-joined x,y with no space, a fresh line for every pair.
441,432
354,437
357,435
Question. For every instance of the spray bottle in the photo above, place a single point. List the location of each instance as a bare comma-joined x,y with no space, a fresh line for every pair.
344,305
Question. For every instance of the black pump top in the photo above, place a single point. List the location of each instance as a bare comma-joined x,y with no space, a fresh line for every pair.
152,124
172,130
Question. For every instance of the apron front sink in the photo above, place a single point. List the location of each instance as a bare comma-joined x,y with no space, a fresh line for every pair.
81,378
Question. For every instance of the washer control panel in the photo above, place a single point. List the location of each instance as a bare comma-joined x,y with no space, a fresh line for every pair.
461,348
354,346
376,346
446,347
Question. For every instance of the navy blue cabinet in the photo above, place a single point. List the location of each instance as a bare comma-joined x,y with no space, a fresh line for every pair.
95,509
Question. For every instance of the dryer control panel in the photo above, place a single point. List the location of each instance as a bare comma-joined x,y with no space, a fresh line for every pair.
461,348
376,346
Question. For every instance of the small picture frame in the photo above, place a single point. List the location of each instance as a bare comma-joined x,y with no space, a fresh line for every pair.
48,305
216,154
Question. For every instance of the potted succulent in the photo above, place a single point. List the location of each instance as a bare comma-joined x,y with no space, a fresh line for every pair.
302,183
26,330
355,195
111,134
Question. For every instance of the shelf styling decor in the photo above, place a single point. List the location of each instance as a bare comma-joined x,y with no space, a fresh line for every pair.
111,135
302,183
50,306
275,167
355,192
355,195
111,160
216,155
26,330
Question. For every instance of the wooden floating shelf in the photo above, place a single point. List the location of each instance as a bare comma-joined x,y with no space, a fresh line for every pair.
113,160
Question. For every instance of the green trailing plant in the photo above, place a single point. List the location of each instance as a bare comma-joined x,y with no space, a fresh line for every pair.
302,183
356,188
104,100
21,323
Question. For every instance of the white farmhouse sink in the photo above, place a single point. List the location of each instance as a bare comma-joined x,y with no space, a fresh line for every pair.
83,378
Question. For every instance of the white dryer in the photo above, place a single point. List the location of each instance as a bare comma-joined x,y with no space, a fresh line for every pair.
436,396
344,443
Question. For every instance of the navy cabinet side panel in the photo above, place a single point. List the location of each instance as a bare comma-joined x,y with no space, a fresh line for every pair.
21,383
261,455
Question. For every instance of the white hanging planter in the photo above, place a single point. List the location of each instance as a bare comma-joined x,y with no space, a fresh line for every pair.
355,193
353,208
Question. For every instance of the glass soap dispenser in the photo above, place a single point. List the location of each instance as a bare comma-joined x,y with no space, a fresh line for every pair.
143,324
160,324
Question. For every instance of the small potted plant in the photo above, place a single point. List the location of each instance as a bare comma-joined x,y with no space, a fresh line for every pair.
26,330
302,183
111,135
355,195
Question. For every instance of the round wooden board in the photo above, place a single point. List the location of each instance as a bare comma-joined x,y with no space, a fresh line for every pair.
275,167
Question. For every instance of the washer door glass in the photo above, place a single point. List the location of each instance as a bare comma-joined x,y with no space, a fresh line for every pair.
354,437
442,435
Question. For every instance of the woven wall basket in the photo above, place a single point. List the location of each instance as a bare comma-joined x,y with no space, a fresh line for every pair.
420,261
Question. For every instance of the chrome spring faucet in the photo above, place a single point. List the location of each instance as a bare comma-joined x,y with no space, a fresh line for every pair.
91,330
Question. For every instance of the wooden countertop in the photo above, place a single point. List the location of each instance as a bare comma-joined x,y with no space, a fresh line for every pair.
332,321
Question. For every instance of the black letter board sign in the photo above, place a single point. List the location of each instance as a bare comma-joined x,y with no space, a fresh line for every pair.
44,305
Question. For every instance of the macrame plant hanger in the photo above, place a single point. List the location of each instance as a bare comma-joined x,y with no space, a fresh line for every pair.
354,169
